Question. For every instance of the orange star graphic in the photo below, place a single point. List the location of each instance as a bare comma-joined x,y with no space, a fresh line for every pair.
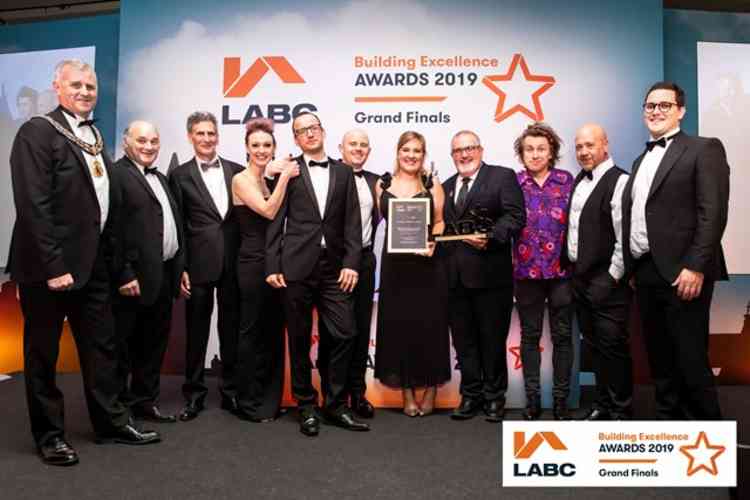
516,352
692,468
547,83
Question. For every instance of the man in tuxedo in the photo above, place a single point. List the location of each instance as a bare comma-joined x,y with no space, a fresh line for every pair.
202,189
60,256
674,213
355,149
480,275
313,252
593,245
150,263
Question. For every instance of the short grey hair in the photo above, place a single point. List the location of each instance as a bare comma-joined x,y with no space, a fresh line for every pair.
75,64
466,132
126,132
201,116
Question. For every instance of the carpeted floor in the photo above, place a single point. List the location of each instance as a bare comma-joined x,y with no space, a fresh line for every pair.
218,456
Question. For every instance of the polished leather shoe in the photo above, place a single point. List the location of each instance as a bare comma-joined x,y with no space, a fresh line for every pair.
57,451
532,412
129,434
494,410
190,411
229,404
597,414
345,419
153,414
468,408
560,410
362,407
309,422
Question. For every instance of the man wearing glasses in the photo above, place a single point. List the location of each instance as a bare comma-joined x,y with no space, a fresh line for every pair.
480,275
313,252
674,214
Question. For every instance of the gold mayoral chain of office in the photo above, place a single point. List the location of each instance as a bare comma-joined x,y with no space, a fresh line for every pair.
92,149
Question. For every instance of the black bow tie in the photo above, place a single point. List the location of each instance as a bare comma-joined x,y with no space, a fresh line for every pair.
86,122
650,145
322,164
359,173
588,174
152,170
206,166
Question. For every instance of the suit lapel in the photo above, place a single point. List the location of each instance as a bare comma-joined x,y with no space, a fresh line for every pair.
228,175
59,117
372,181
670,158
331,182
475,188
135,171
307,181
202,189
450,192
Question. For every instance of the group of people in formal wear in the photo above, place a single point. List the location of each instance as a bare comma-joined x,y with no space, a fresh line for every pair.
110,246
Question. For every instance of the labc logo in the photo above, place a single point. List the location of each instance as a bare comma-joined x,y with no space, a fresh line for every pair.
240,85
523,449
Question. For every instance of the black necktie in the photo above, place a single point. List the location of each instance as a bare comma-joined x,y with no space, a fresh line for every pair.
588,174
321,164
151,170
206,166
650,145
359,173
462,193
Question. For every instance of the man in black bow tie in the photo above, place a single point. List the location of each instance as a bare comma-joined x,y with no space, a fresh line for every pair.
147,275
674,213
61,254
313,252
593,245
202,189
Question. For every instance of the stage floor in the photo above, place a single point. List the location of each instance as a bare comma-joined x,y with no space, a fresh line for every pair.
218,456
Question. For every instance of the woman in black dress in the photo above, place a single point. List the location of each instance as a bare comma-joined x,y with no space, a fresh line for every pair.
413,348
260,363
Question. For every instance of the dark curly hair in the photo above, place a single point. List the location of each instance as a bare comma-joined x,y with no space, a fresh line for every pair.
540,129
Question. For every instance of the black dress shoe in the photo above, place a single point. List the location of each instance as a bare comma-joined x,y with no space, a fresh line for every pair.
309,422
494,410
597,414
129,434
468,408
560,411
229,404
153,414
57,451
190,411
345,419
532,412
362,407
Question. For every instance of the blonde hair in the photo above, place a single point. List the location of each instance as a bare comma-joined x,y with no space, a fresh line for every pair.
407,136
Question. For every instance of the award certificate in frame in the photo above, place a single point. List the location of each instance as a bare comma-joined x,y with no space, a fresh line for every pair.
408,223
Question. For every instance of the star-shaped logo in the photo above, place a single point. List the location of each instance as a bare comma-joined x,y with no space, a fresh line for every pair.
546,83
516,352
704,453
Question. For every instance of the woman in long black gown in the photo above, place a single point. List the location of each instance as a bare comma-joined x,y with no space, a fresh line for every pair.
413,347
260,363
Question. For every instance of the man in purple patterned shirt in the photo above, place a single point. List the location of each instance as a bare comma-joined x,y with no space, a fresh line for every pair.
539,276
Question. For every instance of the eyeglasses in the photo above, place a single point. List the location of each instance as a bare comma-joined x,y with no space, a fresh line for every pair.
663,106
467,150
314,129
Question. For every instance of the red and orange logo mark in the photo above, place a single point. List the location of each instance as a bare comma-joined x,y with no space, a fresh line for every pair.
704,453
524,449
237,84
501,112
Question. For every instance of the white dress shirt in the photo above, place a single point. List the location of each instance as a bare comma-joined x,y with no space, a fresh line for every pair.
214,180
320,178
170,243
365,208
641,187
581,194
101,184
460,183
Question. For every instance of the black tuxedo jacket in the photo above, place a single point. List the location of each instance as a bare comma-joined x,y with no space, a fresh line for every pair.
686,209
211,241
293,241
372,180
140,232
496,190
57,228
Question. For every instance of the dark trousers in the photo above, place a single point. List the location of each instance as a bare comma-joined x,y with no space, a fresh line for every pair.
198,310
531,297
479,320
676,336
143,333
363,295
603,308
336,310
89,313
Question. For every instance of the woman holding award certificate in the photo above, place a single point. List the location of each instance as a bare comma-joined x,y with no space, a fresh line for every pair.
413,349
